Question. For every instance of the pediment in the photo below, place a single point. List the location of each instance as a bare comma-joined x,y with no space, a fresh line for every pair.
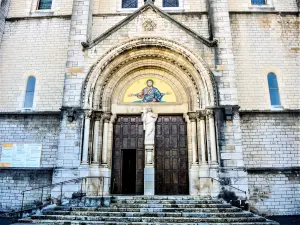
149,24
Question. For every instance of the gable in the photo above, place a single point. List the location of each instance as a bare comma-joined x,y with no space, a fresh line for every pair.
150,20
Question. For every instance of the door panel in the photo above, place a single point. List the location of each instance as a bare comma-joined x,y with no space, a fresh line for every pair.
128,135
171,156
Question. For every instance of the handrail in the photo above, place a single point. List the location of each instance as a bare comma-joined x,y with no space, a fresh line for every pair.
20,212
226,184
64,182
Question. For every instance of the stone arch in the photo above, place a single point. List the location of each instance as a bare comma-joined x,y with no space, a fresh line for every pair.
158,53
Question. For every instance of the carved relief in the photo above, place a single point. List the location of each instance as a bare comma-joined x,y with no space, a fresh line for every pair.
149,25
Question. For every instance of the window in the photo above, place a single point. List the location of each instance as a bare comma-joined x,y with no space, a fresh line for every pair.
45,4
29,95
273,89
128,4
170,3
258,2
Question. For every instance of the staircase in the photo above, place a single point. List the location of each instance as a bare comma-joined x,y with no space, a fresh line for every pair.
154,210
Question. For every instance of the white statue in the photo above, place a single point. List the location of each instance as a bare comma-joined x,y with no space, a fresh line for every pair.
149,118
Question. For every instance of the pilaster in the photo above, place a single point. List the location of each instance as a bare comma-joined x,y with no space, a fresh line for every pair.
80,31
3,14
225,70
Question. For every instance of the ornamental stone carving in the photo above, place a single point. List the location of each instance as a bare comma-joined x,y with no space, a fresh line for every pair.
149,25
88,114
193,116
106,117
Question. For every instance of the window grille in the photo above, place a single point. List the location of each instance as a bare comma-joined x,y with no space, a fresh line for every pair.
28,103
45,4
273,89
128,4
258,2
170,3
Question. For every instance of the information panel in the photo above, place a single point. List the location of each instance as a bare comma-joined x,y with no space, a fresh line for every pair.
21,155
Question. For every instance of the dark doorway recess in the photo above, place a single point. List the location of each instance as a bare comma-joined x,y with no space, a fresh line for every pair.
128,142
128,171
171,156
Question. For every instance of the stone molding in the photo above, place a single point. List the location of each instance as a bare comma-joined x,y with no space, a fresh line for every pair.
207,42
106,59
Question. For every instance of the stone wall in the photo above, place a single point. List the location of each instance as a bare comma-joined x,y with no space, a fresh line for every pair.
275,193
112,7
33,47
265,43
272,5
14,181
272,158
28,8
271,140
42,129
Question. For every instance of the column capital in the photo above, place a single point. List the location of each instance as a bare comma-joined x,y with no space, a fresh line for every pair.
209,112
88,114
106,117
192,116
97,115
201,114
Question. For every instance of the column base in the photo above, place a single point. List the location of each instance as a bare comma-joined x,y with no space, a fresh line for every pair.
149,181
194,180
205,181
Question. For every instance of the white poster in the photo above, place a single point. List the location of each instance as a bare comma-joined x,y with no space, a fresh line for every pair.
21,155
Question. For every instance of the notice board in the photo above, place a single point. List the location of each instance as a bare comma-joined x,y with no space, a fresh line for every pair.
21,155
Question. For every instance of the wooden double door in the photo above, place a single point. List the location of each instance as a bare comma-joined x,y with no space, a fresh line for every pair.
171,156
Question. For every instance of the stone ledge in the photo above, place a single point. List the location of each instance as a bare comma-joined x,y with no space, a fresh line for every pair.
19,113
270,111
273,170
27,168
38,17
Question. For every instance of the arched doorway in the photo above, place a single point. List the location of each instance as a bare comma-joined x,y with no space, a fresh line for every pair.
113,90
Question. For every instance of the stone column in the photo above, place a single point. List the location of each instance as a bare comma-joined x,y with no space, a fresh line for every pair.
86,136
106,119
202,136
194,169
212,135
193,120
95,158
204,181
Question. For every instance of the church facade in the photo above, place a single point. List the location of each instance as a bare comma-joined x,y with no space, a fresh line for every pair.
165,97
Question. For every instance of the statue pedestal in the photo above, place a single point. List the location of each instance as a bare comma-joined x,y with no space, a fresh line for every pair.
149,175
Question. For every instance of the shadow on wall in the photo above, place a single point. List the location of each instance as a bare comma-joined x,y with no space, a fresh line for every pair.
286,220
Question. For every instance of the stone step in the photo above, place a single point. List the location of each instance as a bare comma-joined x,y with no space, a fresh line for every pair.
161,197
170,201
70,222
150,219
151,214
170,205
93,209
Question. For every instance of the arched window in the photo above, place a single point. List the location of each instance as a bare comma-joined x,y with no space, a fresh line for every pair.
273,89
170,3
45,4
29,95
128,4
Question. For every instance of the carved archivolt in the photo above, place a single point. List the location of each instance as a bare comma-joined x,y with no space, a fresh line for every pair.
158,53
